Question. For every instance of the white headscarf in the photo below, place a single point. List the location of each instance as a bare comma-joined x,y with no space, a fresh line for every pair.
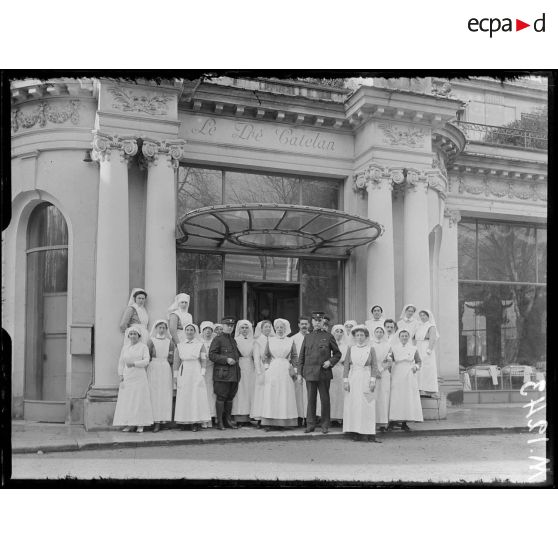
285,322
138,329
375,339
142,312
402,317
197,335
342,328
205,324
430,322
258,331
184,315
153,334
237,329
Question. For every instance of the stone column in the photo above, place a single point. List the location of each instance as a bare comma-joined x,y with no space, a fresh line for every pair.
448,313
416,251
112,254
380,276
160,247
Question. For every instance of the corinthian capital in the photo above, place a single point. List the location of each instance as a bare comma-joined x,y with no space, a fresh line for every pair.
104,145
170,151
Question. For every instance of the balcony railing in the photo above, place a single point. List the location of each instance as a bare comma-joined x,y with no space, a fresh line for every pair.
499,135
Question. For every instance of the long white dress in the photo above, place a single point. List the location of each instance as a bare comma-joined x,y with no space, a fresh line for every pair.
336,390
383,385
427,376
359,411
279,399
133,406
159,377
243,401
301,391
259,382
192,405
404,401
209,380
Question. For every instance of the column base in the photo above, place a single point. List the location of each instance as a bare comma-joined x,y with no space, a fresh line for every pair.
99,407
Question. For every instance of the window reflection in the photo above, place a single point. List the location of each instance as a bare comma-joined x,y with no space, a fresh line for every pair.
502,321
198,188
201,276
241,267
320,288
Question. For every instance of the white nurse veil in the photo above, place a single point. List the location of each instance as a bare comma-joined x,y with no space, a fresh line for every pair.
238,326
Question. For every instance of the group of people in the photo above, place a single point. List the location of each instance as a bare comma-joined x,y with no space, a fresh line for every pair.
360,375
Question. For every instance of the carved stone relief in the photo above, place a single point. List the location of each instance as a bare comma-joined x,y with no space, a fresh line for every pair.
395,134
492,187
127,100
45,111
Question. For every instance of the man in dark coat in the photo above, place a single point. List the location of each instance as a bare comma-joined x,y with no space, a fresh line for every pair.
318,355
224,352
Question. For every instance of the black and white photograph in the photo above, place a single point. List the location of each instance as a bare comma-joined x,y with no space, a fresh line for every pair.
304,277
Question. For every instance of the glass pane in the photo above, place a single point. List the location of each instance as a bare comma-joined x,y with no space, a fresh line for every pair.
502,324
260,188
320,288
506,252
240,267
320,192
47,227
466,250
198,188
541,255
200,276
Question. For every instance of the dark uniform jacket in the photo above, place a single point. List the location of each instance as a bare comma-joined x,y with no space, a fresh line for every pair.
318,347
221,348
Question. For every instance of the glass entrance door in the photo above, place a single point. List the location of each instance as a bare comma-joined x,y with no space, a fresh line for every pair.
262,301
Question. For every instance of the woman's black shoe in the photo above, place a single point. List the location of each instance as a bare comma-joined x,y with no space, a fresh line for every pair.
405,427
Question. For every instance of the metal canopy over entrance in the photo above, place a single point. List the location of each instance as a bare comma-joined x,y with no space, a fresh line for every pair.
276,227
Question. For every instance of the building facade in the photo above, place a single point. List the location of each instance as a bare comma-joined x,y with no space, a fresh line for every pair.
263,197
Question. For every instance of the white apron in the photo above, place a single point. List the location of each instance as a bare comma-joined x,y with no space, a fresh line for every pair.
209,381
427,376
336,390
133,406
301,392
259,380
382,386
244,398
192,405
159,376
279,400
359,411
404,402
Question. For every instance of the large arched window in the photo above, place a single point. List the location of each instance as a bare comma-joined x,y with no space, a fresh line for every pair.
46,318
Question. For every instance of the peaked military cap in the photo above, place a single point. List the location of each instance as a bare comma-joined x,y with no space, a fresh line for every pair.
318,315
230,320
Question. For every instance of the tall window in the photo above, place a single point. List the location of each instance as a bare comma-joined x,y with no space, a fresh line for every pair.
47,285
502,293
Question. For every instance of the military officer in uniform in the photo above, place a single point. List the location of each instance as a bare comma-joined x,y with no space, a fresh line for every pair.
318,355
224,352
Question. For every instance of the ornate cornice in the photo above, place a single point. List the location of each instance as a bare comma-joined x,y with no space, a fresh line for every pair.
169,150
104,145
128,100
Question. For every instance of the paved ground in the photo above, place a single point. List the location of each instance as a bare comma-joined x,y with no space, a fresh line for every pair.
32,437
481,457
